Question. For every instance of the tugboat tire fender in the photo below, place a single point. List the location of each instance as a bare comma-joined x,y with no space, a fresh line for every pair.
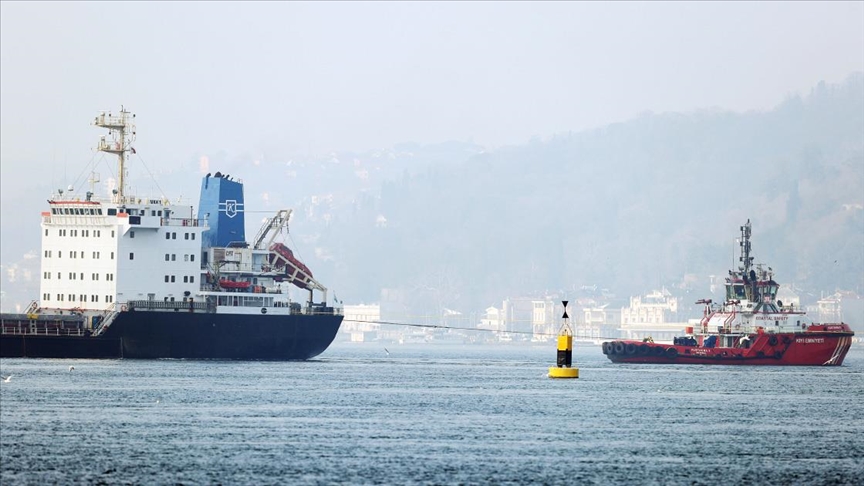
671,353
630,348
772,340
619,348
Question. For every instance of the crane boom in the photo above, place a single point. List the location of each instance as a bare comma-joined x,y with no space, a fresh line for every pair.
271,227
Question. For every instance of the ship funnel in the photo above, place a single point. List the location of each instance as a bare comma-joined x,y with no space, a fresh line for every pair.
222,205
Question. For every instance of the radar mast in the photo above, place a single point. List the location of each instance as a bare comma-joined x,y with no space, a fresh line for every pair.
745,258
121,129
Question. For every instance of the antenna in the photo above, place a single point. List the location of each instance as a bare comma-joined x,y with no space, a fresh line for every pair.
121,128
94,178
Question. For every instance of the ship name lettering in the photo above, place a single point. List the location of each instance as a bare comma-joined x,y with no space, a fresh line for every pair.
810,340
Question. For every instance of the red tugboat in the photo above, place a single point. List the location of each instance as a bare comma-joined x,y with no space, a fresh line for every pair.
750,328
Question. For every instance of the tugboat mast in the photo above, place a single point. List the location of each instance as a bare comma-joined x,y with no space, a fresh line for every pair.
119,126
745,249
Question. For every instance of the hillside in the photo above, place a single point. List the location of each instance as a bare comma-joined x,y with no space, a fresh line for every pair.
632,206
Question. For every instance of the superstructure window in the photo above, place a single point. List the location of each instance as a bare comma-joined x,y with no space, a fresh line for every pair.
131,234
173,257
192,279
166,279
167,235
193,236
172,278
132,256
46,232
167,257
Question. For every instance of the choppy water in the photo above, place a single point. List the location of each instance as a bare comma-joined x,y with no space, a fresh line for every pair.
429,414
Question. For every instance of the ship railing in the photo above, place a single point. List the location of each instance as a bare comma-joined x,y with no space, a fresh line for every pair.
176,306
182,222
321,310
20,330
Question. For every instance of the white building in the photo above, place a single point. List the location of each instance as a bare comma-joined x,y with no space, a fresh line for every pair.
654,315
361,321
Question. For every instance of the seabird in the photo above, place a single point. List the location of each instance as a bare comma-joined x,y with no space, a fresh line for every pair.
7,379
388,352
71,368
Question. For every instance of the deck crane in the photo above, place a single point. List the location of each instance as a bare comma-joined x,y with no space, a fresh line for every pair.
282,258
273,225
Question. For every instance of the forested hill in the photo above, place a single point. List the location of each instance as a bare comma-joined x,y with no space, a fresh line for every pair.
630,207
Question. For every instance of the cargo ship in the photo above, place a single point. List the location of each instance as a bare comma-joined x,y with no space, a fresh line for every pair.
125,276
750,327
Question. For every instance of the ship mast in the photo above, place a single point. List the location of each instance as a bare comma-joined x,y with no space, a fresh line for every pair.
745,249
121,128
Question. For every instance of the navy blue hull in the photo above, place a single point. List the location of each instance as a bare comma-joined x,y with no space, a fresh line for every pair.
151,335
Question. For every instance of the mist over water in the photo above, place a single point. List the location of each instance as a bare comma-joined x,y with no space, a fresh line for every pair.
429,414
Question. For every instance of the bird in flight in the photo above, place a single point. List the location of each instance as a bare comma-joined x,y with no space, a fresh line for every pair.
71,368
7,379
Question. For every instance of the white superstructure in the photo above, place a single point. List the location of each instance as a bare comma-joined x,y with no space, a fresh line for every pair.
97,254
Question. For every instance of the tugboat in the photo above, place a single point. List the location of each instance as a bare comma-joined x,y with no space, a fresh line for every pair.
131,277
751,327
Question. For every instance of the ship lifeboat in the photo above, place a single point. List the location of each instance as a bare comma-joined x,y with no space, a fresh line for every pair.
232,285
283,258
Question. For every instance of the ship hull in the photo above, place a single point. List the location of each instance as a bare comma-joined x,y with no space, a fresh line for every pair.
180,335
786,349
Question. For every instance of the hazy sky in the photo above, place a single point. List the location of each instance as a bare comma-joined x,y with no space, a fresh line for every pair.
208,76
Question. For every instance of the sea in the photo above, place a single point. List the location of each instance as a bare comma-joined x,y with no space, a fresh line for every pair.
372,413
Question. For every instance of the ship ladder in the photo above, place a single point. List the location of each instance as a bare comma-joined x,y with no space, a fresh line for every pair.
32,308
106,322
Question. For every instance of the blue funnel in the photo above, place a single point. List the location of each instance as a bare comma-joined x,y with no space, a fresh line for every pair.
222,206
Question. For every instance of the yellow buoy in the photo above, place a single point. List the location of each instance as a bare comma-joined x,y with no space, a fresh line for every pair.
564,368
